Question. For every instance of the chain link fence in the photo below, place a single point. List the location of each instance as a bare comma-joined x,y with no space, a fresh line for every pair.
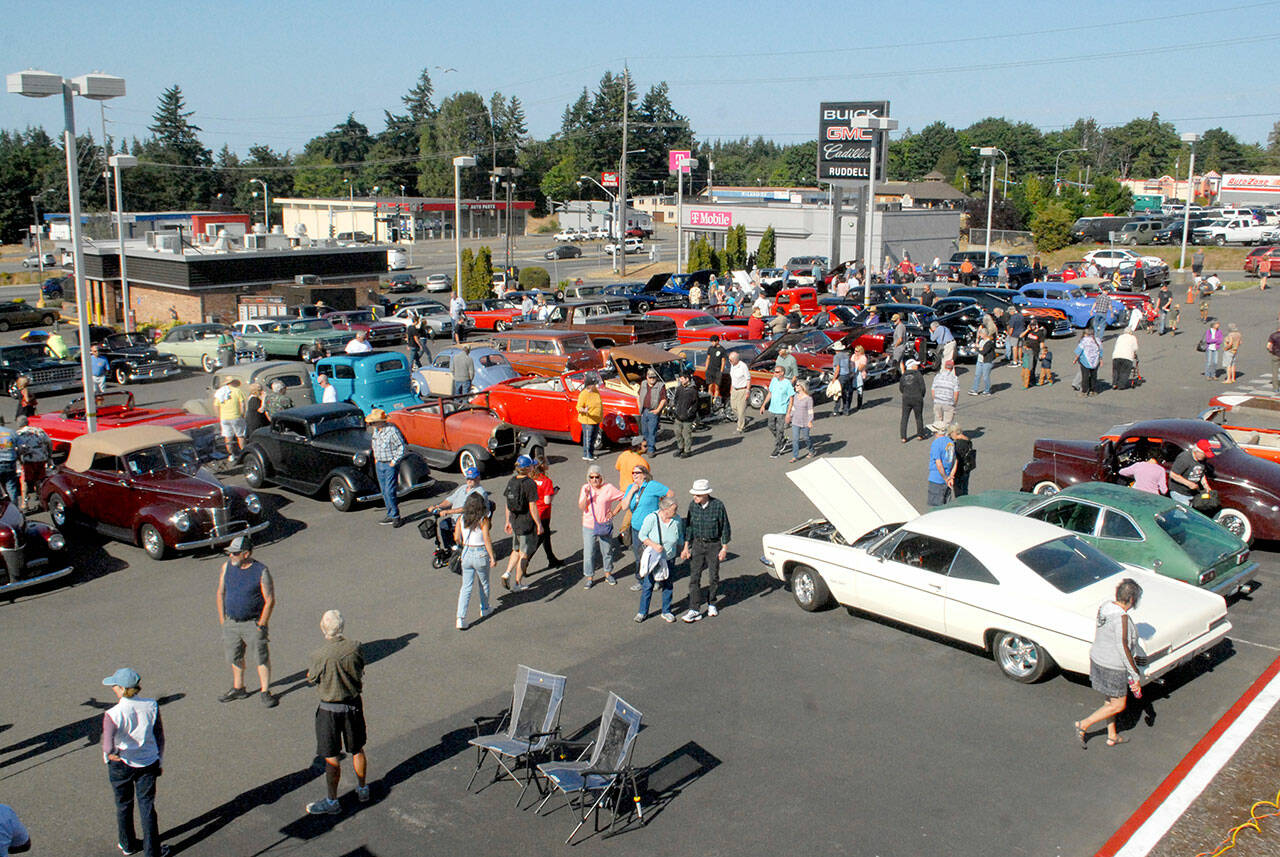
1008,237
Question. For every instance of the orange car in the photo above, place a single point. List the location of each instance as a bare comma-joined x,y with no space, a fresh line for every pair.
1253,422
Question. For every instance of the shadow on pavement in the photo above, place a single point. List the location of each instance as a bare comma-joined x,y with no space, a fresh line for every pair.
663,781
201,827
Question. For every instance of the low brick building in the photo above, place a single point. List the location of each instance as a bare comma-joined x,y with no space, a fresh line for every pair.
205,284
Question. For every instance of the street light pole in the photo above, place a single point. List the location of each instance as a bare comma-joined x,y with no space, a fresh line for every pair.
119,162
876,125
97,87
991,152
1057,189
1190,138
681,165
266,203
458,163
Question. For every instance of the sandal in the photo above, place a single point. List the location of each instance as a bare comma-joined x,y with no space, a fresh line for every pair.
1080,735
1119,739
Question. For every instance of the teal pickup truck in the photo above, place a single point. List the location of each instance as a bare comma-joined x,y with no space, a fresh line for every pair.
294,338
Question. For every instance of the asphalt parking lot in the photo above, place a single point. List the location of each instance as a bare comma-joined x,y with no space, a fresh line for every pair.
766,729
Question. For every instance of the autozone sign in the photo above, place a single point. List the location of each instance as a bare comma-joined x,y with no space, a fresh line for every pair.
844,152
718,219
609,179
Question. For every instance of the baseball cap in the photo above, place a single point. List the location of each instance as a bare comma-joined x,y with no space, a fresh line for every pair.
1206,446
240,544
524,461
913,364
123,677
471,473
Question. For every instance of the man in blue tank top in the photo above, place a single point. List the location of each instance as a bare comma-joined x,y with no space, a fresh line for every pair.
246,597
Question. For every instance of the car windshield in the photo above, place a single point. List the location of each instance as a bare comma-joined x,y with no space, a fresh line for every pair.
846,315
126,340
1069,564
20,354
179,455
1201,539
694,322
359,317
337,422
746,352
310,325
572,346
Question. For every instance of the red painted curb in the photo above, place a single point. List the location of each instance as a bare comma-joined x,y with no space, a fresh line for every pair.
1180,771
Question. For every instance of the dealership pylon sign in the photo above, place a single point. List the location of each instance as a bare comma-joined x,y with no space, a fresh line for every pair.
844,152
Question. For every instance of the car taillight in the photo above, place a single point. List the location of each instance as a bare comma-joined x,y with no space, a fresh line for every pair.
7,537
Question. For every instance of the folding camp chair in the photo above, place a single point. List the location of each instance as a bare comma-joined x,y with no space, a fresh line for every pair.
605,774
534,718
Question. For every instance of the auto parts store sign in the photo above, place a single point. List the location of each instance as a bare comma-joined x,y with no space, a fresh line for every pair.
714,219
844,152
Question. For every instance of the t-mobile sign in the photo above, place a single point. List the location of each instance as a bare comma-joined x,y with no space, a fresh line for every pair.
676,159
720,219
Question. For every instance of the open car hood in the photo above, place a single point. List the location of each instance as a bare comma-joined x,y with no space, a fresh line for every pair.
852,494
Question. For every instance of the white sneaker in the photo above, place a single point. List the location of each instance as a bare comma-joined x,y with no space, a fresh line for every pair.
691,616
668,617
712,611
327,806
462,625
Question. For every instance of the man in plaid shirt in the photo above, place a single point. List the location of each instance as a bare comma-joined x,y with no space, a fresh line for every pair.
388,448
706,533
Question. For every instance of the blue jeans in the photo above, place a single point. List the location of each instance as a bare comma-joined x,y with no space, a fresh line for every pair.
589,439
1164,322
1211,362
649,428
127,781
9,481
461,388
387,482
982,378
637,548
647,584
799,435
475,571
590,541
1099,326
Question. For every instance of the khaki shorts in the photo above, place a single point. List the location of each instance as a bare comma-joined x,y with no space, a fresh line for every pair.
237,636
526,544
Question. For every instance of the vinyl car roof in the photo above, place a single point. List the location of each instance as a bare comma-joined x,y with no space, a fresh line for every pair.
121,441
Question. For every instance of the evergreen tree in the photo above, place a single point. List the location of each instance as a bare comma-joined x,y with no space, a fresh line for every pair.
179,175
1051,227
418,100
768,249
461,127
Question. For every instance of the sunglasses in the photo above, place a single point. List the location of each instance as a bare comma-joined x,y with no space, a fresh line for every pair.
595,476
637,473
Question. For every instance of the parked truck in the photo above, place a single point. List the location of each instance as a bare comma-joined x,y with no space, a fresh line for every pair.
1235,230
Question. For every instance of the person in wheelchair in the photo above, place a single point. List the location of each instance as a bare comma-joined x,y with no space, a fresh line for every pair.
450,507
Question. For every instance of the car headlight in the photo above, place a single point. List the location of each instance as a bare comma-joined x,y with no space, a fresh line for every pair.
57,542
619,421
253,503
360,459
182,521
493,443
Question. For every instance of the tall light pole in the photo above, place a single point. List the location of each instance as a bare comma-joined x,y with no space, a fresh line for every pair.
616,231
35,211
1057,189
508,176
266,203
876,125
97,87
458,163
1190,138
118,163
989,152
690,164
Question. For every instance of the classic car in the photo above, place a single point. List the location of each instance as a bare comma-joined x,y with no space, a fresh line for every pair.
1023,590
1248,487
196,345
375,379
1129,300
293,337
325,448
47,373
798,299
117,410
1251,421
1071,300
145,485
547,351
1124,259
651,294
1256,255
607,323
381,334
494,313
295,375
455,432
694,357
32,552
19,313
1137,528
1054,320
680,284
130,356
696,325
549,406
1018,269
439,322
489,366
812,350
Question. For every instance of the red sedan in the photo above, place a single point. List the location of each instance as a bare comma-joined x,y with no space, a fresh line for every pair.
695,325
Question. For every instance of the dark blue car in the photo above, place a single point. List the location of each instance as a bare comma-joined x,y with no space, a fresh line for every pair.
647,295
55,287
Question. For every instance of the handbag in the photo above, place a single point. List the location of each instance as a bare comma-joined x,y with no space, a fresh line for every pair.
1200,345
833,389
663,571
598,527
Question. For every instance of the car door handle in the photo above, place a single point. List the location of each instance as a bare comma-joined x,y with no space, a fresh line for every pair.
937,587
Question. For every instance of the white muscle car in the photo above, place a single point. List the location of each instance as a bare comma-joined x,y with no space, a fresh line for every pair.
1024,590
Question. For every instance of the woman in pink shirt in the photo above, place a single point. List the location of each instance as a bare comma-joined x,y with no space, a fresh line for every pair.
599,501
1148,475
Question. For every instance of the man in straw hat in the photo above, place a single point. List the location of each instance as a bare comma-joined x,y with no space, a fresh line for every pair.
388,448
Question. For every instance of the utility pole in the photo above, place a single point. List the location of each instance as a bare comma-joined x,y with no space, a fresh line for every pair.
106,153
621,222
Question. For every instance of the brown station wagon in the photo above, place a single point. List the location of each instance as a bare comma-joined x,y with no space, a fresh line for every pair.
547,352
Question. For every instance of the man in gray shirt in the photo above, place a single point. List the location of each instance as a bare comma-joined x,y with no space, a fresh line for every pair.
464,371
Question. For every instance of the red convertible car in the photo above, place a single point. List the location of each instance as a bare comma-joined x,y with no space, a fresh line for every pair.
1248,487
450,430
1129,299
550,406
493,313
1251,421
117,410
695,325
145,485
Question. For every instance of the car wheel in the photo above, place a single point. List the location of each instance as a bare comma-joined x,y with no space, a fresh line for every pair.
151,540
809,589
755,399
255,469
207,363
467,460
1237,522
341,495
48,318
1019,658
1044,489
4,325
58,510
502,326
644,306
1221,241
122,376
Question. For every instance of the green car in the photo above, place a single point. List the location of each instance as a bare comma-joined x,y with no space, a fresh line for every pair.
196,345
1139,529
294,338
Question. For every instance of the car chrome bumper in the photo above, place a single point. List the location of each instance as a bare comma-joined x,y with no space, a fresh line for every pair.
14,585
239,528
1229,585
1186,652
149,373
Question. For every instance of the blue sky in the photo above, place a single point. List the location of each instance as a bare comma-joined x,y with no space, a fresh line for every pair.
282,72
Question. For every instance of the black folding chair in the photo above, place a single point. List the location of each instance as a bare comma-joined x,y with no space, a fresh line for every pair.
531,723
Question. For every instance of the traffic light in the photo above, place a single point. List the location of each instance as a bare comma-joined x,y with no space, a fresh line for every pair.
591,211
